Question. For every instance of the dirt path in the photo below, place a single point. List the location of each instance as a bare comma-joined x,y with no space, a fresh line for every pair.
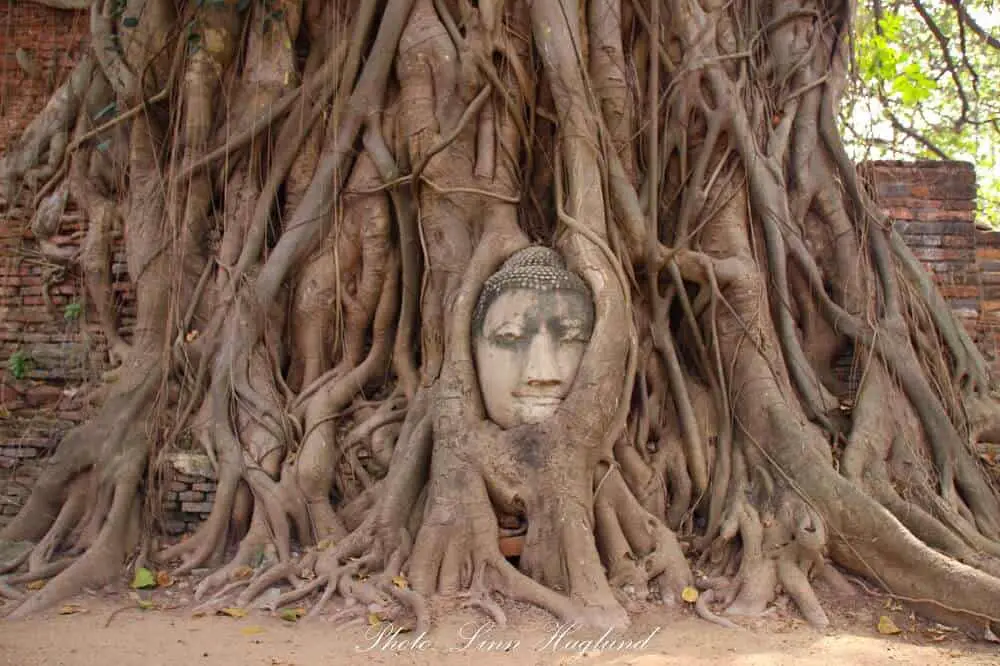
139,637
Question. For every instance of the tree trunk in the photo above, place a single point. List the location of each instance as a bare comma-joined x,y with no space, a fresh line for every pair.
314,194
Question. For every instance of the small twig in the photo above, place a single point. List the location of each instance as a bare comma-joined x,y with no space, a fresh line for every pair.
119,610
470,112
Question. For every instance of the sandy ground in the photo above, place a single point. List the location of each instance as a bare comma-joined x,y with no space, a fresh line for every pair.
165,635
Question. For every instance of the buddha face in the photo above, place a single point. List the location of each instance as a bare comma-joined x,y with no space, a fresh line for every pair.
528,352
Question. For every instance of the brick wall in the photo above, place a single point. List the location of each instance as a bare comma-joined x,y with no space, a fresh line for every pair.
933,207
48,358
988,324
38,46
48,41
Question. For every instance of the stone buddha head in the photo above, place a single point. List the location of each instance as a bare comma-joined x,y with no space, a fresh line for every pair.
530,329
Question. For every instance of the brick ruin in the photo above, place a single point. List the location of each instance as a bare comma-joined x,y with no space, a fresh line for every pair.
48,354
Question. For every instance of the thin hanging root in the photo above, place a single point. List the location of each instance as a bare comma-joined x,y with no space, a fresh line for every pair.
218,599
9,592
412,600
836,580
704,612
15,562
202,546
481,600
256,541
72,511
515,585
47,571
102,561
330,577
353,614
362,591
757,589
275,574
324,599
305,590
796,584
479,596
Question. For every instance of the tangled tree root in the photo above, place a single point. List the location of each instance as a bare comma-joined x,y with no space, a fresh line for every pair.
313,194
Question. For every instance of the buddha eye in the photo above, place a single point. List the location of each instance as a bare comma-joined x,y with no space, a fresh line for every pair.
506,337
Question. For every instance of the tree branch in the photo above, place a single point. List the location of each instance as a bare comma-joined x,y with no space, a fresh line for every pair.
967,20
949,61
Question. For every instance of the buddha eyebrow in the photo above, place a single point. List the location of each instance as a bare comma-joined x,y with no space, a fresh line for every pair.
514,325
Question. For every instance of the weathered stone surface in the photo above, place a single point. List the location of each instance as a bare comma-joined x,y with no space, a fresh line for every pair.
193,465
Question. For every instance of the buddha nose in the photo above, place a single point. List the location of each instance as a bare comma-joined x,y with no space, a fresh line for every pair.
542,368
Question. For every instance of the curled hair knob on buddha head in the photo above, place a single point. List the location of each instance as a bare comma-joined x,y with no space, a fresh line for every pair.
535,268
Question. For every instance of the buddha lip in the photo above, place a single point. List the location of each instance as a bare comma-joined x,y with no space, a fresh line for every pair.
538,398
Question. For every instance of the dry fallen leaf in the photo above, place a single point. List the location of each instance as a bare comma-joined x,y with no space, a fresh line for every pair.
291,614
887,627
144,579
232,611
689,594
374,620
71,609
252,630
241,573
400,582
164,579
36,585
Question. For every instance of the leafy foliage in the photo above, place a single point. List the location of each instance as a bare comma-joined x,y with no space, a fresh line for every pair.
72,311
17,364
925,87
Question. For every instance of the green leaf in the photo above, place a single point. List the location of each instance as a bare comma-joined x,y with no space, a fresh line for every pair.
130,21
72,311
891,25
17,364
104,145
144,578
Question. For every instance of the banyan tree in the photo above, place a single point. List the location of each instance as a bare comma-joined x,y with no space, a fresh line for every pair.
419,275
